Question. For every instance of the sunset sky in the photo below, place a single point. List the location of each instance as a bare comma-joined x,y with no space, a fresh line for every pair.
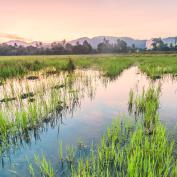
54,20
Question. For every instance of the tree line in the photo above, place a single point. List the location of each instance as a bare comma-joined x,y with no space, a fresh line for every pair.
159,45
66,48
85,48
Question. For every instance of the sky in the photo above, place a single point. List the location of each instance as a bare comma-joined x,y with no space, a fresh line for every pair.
55,20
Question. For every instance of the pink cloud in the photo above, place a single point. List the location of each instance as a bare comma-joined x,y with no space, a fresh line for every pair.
12,37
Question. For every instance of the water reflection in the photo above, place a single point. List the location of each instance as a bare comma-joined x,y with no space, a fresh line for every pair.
97,100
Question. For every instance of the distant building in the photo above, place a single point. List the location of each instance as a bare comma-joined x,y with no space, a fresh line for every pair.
149,44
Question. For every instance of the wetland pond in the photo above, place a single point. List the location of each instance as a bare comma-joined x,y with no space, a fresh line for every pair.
92,100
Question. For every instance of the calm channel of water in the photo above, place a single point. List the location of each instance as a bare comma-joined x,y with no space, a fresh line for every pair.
91,118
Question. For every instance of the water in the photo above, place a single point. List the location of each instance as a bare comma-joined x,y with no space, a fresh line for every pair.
91,118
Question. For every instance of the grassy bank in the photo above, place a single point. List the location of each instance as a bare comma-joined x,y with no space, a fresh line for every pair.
156,66
153,65
19,66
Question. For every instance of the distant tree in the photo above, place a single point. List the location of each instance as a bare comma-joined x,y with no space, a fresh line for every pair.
69,48
40,44
120,46
57,49
105,47
171,45
77,49
159,45
175,41
63,42
133,46
87,48
84,48
101,47
123,46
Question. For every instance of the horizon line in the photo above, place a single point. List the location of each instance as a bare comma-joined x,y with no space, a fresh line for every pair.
14,37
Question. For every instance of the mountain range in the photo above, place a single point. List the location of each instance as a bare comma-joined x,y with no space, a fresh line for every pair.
95,41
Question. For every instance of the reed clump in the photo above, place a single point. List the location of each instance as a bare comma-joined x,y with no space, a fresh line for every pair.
45,167
70,66
140,102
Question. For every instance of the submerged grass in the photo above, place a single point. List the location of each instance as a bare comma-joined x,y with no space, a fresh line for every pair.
52,96
146,105
128,150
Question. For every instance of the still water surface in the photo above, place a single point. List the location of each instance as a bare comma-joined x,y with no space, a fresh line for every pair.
91,118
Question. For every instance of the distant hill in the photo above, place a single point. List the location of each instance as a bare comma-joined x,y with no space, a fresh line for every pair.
17,43
25,44
170,40
95,41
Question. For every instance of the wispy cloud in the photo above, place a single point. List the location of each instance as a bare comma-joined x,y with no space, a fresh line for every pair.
12,37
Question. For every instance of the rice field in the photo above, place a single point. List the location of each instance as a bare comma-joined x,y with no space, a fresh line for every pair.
37,93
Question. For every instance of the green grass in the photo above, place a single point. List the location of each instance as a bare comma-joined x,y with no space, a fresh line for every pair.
19,66
153,65
156,66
